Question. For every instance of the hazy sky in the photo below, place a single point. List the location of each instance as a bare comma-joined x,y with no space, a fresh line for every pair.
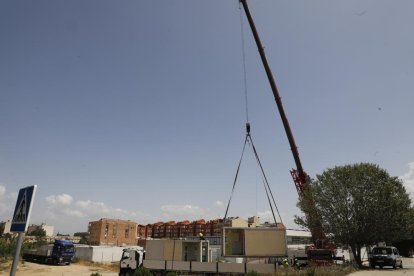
135,109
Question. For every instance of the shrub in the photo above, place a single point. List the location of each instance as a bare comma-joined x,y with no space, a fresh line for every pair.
142,271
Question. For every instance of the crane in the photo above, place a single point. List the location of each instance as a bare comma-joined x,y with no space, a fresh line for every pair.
300,178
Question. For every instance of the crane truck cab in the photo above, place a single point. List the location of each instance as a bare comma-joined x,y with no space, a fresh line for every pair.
132,258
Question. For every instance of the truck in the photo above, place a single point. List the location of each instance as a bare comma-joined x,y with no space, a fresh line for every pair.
60,252
132,258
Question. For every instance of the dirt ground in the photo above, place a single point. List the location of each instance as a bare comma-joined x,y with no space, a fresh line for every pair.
86,269
81,269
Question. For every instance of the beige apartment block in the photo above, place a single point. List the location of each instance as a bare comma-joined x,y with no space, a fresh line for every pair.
49,229
5,227
235,222
112,232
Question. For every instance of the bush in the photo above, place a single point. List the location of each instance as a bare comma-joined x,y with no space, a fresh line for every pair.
7,248
95,274
142,271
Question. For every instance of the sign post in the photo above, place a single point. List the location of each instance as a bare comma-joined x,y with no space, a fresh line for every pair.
21,218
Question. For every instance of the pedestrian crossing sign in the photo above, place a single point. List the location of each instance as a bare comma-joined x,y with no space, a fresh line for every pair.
22,210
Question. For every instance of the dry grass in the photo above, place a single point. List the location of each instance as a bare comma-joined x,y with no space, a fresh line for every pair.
107,266
317,271
5,264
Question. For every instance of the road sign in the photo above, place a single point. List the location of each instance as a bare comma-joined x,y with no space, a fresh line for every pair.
21,213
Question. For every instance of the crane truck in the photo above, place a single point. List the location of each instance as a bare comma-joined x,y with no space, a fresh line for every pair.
321,253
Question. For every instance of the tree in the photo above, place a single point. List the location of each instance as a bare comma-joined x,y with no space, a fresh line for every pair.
39,233
83,235
359,205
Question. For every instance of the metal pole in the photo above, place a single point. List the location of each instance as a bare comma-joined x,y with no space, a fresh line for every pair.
17,255
173,256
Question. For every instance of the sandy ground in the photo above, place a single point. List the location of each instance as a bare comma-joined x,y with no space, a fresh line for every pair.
83,269
35,269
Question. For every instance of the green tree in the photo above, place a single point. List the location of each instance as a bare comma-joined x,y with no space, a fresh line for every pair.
83,235
39,233
359,205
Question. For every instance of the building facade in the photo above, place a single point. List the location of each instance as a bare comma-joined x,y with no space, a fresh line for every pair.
5,227
113,232
185,229
49,229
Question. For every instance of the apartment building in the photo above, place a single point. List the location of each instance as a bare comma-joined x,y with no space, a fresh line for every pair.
197,227
168,229
214,228
185,229
112,232
49,229
182,229
158,230
5,227
236,222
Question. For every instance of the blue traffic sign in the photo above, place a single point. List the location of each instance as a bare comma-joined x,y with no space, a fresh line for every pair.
22,210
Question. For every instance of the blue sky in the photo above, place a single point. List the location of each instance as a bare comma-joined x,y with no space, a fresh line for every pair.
135,109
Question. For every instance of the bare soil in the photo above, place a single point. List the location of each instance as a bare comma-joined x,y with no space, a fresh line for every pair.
81,269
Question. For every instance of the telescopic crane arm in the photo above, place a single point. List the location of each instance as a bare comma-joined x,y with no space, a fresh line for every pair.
300,177
300,172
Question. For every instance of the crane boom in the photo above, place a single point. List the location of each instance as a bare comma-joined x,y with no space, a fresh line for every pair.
300,177
299,174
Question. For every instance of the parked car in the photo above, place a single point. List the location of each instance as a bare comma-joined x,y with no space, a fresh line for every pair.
385,256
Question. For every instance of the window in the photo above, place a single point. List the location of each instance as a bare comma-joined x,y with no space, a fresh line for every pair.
106,230
127,233
68,249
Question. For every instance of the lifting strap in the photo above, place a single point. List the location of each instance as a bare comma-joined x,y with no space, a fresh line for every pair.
266,185
248,138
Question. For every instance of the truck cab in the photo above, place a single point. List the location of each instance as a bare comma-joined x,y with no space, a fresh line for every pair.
131,259
63,252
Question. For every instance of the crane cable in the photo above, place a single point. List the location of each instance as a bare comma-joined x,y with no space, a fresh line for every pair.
269,194
248,138
246,103
244,62
266,183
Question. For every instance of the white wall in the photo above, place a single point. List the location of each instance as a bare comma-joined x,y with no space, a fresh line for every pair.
48,229
100,254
